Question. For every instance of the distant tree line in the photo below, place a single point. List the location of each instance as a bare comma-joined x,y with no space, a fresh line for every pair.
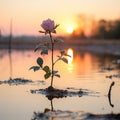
107,30
102,29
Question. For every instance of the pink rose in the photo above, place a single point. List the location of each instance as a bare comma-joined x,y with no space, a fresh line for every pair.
48,25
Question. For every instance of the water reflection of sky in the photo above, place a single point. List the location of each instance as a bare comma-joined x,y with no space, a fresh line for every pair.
83,72
82,67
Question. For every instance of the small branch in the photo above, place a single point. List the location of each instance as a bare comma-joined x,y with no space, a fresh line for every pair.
109,93
56,61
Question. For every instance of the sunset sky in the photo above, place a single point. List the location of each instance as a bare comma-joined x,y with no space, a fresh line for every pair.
27,15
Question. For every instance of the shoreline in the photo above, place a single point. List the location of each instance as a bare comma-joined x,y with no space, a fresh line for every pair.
97,46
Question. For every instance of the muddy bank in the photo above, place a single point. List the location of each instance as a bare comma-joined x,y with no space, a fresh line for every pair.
22,81
94,45
16,81
72,115
97,46
52,93
101,49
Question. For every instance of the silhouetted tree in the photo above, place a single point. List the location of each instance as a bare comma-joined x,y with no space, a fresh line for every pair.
82,34
108,30
102,29
117,29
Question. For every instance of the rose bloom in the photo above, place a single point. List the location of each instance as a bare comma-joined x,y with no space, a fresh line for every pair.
48,25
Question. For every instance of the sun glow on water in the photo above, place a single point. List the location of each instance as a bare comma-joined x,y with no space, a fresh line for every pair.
70,52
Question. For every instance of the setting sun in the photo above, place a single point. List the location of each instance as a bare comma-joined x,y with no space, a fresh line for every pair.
70,30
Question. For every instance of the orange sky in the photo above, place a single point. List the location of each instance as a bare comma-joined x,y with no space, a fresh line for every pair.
27,15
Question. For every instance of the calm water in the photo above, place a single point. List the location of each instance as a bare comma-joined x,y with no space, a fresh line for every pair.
83,71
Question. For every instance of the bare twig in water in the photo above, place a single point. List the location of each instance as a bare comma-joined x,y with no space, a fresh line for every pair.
109,93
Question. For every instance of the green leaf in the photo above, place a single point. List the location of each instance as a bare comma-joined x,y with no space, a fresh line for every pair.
59,57
45,51
64,60
41,31
46,45
40,62
62,52
58,41
46,69
56,26
37,47
55,71
68,55
57,75
47,32
47,75
53,31
35,68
